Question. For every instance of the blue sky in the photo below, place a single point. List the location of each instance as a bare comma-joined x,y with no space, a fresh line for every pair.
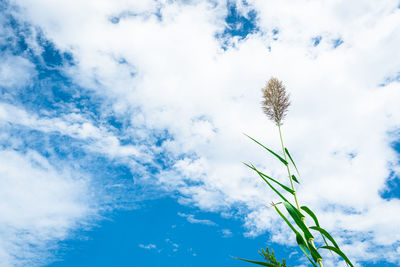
121,130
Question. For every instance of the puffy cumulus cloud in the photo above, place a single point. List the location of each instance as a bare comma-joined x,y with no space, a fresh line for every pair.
163,64
41,205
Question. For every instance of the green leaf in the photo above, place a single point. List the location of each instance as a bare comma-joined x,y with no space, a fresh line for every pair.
340,253
303,246
258,262
296,215
287,152
275,181
295,179
314,252
269,150
325,233
269,256
314,217
309,212
286,220
273,188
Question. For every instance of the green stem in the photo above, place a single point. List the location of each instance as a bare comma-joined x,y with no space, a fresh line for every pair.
287,166
292,184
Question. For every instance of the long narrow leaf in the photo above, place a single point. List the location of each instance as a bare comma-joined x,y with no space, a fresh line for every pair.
325,233
303,247
314,253
340,253
303,244
259,262
286,220
295,179
275,181
296,215
265,180
291,191
287,152
269,150
314,217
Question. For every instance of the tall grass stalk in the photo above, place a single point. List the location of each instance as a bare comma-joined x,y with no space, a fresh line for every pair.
275,105
288,169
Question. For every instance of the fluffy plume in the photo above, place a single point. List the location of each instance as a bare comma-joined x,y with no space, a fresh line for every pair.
276,100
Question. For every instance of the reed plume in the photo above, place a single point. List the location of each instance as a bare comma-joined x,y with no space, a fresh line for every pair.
276,101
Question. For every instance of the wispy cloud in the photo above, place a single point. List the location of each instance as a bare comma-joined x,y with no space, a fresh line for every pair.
148,246
174,246
190,218
41,206
226,233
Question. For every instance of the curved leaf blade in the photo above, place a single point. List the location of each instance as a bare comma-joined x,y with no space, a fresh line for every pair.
269,150
258,262
286,220
325,233
340,253
272,179
314,217
290,157
265,180
314,253
303,246
295,179
296,215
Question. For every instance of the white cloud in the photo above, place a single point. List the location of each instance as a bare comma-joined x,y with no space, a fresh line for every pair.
148,247
15,72
205,97
41,205
226,233
74,125
190,218
174,246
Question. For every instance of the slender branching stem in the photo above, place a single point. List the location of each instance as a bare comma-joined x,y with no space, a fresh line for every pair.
287,166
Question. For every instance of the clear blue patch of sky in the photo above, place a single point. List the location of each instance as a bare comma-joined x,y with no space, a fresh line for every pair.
238,24
155,235
117,242
316,40
392,186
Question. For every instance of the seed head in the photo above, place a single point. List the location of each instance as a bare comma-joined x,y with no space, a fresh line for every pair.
275,101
